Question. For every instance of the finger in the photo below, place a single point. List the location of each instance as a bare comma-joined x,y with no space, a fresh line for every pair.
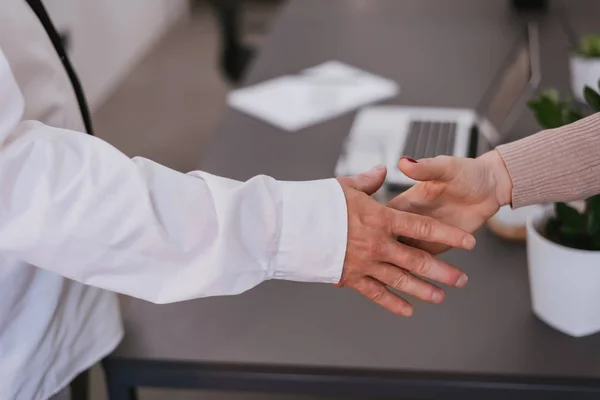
401,203
441,168
428,229
404,202
406,282
431,248
378,293
423,264
368,182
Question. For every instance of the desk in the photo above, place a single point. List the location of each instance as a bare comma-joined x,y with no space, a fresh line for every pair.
483,342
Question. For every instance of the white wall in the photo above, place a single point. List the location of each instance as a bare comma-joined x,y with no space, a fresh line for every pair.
108,37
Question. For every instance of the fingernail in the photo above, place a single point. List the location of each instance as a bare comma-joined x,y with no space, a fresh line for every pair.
378,168
468,242
462,281
408,312
437,296
409,160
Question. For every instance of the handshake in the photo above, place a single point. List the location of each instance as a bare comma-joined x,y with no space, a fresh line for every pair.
394,246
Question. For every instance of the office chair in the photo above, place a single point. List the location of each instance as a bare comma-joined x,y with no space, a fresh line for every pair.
530,5
235,54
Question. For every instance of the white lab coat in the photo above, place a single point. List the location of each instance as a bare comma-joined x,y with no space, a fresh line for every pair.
73,206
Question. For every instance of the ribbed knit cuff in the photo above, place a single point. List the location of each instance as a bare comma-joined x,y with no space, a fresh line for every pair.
561,164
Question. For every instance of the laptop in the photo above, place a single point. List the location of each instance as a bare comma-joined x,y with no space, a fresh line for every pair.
384,134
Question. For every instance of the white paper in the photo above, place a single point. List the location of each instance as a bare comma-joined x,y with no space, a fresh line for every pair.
294,102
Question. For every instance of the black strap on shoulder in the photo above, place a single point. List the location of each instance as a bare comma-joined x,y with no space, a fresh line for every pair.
40,11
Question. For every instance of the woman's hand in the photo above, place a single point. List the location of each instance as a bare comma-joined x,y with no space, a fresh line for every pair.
462,192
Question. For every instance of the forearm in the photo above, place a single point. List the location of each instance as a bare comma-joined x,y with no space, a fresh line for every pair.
560,164
74,205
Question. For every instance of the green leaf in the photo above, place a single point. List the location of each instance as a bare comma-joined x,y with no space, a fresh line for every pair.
589,46
571,115
593,222
570,239
592,98
548,113
592,213
598,83
550,94
571,221
552,229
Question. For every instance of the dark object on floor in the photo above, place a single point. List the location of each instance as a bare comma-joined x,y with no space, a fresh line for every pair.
530,5
235,54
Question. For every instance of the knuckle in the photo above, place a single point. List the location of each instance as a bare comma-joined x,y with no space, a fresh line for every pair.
422,264
425,229
446,161
400,224
376,295
401,280
384,220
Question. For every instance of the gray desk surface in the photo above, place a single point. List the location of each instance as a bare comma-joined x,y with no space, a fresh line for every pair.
441,54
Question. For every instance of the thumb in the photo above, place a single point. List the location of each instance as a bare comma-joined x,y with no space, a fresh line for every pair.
440,168
368,182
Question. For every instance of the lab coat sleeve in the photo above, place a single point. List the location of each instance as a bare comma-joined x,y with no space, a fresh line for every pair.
74,205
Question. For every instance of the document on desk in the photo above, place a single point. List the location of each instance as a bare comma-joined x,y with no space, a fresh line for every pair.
294,102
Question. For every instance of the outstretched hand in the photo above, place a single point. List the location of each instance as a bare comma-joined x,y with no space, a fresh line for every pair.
461,192
375,259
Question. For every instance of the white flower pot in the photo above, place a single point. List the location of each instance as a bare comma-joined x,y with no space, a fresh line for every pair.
584,72
511,224
565,282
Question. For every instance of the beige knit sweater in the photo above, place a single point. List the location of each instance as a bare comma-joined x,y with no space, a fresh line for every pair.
561,164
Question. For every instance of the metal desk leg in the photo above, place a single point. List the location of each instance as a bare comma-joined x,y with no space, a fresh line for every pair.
116,392
117,385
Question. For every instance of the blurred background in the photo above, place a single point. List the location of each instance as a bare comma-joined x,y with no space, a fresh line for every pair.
189,52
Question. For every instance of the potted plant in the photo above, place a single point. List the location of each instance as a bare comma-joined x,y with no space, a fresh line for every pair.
563,243
585,65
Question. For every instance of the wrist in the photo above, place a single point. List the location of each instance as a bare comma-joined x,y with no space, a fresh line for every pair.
313,216
494,163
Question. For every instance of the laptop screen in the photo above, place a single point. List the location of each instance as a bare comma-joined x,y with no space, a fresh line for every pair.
510,85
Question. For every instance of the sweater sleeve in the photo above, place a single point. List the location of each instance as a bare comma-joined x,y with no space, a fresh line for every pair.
561,164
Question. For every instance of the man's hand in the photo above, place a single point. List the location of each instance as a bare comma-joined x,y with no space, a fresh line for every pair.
374,257
462,192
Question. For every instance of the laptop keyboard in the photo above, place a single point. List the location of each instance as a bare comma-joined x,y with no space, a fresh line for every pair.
428,139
